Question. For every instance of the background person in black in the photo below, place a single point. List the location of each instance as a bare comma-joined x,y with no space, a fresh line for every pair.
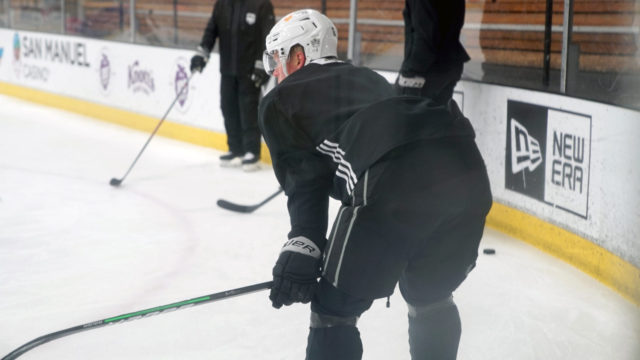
433,55
413,186
241,26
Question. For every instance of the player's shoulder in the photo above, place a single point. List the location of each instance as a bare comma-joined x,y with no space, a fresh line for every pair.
335,70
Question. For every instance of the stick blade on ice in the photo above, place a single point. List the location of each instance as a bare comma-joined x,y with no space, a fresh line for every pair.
246,208
235,207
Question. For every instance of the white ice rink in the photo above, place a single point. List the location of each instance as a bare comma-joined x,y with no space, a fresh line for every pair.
74,249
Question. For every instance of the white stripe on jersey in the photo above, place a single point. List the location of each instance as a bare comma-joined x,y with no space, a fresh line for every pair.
348,184
344,167
338,156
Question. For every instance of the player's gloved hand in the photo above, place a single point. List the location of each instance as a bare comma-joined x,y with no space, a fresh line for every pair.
199,60
409,85
296,273
259,76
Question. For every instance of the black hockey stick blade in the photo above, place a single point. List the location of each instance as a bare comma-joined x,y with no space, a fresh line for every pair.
138,315
115,182
246,209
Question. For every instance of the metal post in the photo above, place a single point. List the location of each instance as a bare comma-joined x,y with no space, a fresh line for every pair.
175,22
9,13
323,6
567,29
121,15
132,20
353,16
356,49
63,15
548,23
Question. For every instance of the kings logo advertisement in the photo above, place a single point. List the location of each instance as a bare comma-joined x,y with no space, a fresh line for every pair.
548,155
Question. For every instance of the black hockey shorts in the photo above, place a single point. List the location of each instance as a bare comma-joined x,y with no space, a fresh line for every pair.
417,217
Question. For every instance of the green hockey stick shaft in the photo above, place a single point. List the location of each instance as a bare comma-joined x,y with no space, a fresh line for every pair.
138,315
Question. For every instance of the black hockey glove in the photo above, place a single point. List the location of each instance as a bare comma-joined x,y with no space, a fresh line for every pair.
296,273
199,60
409,85
259,76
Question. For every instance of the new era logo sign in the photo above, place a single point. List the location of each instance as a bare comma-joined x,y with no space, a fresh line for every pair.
525,149
548,155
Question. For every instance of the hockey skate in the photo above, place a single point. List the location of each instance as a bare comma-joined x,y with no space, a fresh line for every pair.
250,162
230,159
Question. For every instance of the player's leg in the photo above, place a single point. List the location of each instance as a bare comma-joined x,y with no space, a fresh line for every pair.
249,96
333,334
230,107
438,267
434,330
443,213
432,274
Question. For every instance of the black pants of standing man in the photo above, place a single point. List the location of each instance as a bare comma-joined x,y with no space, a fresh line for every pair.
239,103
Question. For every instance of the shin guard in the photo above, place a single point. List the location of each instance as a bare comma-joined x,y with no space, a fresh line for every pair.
333,338
434,330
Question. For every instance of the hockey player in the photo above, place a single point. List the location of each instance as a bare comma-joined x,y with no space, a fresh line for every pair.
241,26
412,183
433,55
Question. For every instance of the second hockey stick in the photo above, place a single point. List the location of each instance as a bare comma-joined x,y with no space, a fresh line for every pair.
228,205
137,315
117,182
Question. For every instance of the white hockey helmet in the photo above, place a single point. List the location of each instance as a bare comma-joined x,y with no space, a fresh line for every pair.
308,28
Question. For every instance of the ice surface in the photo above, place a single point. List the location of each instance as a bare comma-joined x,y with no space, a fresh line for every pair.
74,249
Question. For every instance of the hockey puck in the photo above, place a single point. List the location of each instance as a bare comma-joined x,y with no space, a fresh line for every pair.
489,251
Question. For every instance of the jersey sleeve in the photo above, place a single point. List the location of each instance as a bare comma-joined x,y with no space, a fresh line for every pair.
303,174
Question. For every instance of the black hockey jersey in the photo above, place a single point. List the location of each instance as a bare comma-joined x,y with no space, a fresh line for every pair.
432,36
326,124
241,26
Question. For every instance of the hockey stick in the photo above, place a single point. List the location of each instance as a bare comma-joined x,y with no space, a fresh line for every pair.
245,208
137,315
117,182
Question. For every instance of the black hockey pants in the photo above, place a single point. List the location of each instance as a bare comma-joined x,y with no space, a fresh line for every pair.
239,103
417,218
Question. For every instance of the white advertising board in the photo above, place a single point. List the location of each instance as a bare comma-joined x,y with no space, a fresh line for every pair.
138,78
570,162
